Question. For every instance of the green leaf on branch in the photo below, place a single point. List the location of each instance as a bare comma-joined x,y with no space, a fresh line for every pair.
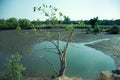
60,14
55,9
34,9
44,5
46,14
39,8
50,6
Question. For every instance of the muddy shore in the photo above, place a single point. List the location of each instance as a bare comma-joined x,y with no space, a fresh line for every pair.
109,47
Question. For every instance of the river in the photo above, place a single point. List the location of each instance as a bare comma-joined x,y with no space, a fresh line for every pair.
81,60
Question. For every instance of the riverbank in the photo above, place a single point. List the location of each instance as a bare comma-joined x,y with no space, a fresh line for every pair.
109,47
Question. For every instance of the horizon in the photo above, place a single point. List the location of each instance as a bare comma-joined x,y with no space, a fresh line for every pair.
75,9
59,20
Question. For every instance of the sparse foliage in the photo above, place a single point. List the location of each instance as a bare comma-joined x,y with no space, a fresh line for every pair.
53,15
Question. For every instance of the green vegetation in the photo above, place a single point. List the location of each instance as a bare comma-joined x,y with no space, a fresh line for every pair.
13,23
94,25
81,23
24,23
94,22
13,68
66,20
114,30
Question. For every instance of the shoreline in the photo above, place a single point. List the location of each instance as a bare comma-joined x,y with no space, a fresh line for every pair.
109,47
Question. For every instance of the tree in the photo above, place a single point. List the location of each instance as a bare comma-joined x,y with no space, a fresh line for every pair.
117,22
51,13
13,68
12,23
36,23
24,23
94,22
2,23
94,25
66,20
81,23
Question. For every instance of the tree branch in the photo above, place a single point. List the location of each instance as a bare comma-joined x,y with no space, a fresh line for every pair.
66,47
53,67
47,49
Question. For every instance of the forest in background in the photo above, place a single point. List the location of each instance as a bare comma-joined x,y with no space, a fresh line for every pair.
13,23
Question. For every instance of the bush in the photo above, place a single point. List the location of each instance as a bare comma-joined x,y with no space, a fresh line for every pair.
94,30
88,29
13,68
97,30
114,30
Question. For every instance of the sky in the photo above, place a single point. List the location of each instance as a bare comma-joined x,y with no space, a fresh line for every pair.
75,9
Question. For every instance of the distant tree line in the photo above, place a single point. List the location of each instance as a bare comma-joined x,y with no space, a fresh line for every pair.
100,22
13,23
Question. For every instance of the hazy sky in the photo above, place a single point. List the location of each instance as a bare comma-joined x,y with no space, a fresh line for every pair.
75,9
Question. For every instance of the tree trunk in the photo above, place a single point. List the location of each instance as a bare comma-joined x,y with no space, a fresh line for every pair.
62,67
